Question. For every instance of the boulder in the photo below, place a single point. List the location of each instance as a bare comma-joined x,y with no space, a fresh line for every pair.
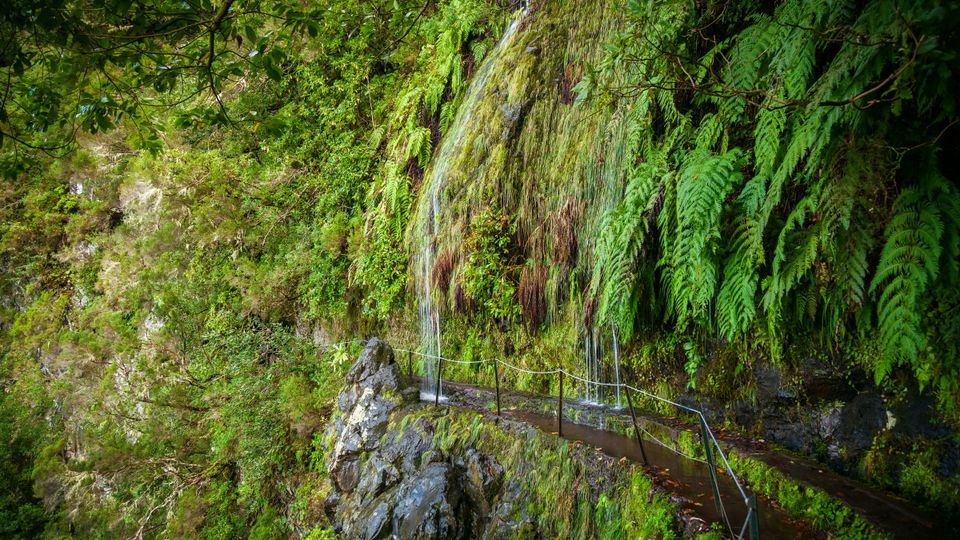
387,483
374,388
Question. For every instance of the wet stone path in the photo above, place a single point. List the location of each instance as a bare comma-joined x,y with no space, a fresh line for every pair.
688,479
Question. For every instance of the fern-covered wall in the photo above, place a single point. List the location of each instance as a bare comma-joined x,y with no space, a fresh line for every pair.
792,184
756,200
725,187
746,177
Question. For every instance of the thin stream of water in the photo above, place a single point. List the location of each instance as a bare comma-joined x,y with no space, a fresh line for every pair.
597,368
616,360
431,209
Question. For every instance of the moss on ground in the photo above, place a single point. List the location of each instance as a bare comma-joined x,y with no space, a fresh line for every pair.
802,502
566,490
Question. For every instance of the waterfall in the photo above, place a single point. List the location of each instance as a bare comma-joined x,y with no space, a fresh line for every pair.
593,366
597,364
431,211
596,370
588,361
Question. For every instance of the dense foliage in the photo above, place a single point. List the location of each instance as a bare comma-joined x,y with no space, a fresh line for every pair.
791,177
198,197
75,66
164,313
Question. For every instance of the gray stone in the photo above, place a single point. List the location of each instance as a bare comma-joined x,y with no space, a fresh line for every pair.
375,388
430,505
860,421
408,448
376,476
374,521
395,484
346,473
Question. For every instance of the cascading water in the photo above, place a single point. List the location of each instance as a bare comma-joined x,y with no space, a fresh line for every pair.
595,369
592,357
597,363
588,367
431,211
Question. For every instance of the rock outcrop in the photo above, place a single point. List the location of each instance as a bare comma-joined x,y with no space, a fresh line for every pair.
374,388
392,485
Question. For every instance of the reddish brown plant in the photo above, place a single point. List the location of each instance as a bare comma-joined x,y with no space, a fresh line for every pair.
442,270
533,301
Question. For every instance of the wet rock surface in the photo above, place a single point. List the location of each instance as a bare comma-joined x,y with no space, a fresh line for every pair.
826,413
388,481
836,415
374,389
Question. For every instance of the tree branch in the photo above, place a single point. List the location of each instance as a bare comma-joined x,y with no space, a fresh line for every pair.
214,25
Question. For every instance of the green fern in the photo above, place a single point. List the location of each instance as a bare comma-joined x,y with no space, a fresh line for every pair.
909,263
736,301
709,132
702,186
419,146
788,271
623,234
767,136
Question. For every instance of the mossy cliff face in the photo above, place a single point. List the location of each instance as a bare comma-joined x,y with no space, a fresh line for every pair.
529,169
522,191
404,470
756,197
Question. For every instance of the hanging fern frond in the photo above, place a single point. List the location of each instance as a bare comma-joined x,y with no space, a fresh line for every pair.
623,234
479,50
788,271
853,265
736,302
702,186
909,263
767,136
419,146
709,132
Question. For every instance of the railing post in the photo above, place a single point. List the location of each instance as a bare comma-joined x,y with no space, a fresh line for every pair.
560,408
708,449
754,518
496,378
410,363
439,371
636,429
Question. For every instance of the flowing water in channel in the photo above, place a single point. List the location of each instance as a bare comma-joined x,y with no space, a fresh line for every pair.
689,479
431,210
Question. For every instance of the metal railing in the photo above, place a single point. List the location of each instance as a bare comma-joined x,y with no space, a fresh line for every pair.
751,522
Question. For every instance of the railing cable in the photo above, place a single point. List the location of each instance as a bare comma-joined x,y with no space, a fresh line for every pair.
511,366
709,439
435,357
